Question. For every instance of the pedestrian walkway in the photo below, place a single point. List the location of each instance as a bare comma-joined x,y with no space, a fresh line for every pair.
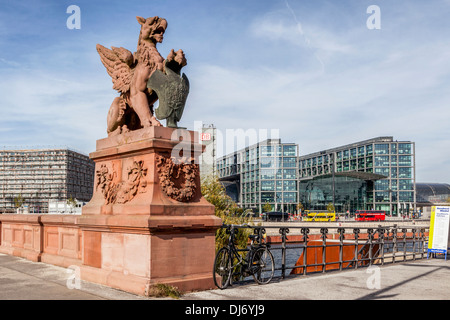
21,279
420,279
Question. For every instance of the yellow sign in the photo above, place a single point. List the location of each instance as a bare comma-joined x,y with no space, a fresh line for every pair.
439,241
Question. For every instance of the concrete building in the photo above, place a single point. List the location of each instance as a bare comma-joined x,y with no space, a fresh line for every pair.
377,174
65,206
265,172
33,177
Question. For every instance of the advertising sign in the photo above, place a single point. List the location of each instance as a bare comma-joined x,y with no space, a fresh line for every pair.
439,230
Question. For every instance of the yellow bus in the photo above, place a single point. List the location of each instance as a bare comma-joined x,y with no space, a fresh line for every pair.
320,216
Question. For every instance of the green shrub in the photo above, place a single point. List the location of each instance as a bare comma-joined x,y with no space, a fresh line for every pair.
226,209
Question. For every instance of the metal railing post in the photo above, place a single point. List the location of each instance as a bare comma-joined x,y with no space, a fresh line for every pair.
381,234
341,247
324,232
356,233
404,230
283,232
370,240
422,241
394,242
305,232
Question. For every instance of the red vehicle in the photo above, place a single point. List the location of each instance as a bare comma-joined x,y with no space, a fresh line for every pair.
370,215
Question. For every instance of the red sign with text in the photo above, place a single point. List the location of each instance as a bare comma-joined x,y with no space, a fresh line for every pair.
205,136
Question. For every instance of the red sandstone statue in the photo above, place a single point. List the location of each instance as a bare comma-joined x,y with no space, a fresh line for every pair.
133,109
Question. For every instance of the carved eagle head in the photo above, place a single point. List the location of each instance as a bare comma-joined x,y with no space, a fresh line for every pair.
152,28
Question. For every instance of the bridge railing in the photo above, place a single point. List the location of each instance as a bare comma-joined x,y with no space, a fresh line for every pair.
300,250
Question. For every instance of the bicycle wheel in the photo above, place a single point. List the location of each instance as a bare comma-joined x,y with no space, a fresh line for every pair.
262,265
222,268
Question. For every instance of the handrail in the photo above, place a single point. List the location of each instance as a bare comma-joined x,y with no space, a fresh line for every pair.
371,245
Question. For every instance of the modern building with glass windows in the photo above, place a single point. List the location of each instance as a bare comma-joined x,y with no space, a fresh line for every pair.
266,172
374,174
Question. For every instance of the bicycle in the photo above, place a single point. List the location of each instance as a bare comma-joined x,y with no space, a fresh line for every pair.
258,261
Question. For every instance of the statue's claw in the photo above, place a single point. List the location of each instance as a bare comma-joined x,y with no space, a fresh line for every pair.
155,122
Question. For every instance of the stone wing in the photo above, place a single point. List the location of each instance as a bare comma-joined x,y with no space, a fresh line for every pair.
118,63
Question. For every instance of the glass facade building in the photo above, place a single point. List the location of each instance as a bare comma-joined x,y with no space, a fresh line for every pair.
266,172
384,168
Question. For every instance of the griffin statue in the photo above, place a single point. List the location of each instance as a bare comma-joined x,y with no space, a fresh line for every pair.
144,77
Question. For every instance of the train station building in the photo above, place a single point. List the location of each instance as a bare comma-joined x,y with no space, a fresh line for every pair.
374,174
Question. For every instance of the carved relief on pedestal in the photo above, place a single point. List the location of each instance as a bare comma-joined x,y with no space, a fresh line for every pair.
124,191
177,180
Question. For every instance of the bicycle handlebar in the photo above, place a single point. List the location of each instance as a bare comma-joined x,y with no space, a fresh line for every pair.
259,233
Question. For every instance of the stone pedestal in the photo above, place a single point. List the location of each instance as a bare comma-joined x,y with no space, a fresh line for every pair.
147,221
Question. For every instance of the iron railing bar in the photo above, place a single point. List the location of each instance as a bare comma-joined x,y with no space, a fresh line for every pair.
390,245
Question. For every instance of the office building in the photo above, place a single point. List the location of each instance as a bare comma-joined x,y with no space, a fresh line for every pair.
264,173
376,174
30,178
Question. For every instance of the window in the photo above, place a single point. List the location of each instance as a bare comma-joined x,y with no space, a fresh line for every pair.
268,185
405,184
404,161
267,197
279,197
394,196
404,172
405,196
382,148
278,150
289,150
381,185
393,148
320,160
279,185
361,163
346,155
353,164
393,172
369,150
393,160
383,171
360,151
290,185
290,197
268,163
289,174
289,162
381,161
404,148
267,151
346,165
267,174
381,196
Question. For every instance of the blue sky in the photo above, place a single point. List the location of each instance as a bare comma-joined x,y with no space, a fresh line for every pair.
311,69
